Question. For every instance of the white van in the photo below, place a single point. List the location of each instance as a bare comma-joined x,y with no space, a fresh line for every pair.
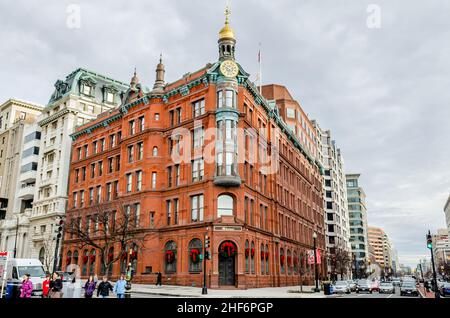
18,267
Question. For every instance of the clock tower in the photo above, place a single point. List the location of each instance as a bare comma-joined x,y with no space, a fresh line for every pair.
227,40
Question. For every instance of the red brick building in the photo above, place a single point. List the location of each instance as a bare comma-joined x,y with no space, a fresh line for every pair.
243,178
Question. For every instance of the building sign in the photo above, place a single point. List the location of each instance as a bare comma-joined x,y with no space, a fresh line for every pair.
311,257
228,228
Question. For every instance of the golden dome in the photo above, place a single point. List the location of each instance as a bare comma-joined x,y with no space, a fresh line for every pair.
226,32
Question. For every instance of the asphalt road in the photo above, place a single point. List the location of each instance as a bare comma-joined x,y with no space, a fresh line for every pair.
373,295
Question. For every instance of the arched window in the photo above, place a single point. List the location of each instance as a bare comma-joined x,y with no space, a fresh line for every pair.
282,261
195,250
92,258
134,256
225,205
247,256
289,262
263,260
75,257
252,257
85,261
155,151
170,257
42,255
267,259
68,258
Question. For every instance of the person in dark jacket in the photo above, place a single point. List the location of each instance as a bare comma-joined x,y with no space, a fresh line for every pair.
55,287
159,279
104,288
89,287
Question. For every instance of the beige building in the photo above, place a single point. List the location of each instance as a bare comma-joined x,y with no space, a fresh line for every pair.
16,118
441,248
381,246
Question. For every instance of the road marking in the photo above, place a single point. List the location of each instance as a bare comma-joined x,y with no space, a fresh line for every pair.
390,296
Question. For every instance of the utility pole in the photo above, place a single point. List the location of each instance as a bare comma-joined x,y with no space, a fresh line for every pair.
205,257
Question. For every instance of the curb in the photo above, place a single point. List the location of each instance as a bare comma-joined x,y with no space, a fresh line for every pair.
166,294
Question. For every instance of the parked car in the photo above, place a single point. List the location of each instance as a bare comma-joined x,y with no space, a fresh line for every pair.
375,285
364,286
445,290
341,287
409,288
386,288
352,285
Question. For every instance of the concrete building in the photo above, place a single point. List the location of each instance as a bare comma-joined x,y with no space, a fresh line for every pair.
356,199
381,245
260,203
16,119
335,203
441,248
447,214
77,100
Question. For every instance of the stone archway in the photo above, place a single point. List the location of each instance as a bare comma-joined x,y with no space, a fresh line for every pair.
227,263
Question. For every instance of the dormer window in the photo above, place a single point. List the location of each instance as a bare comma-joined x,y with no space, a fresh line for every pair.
86,89
110,97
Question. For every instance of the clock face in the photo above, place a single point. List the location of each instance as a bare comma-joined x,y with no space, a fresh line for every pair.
229,69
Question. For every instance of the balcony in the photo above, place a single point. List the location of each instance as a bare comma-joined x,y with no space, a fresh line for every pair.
28,176
26,192
227,181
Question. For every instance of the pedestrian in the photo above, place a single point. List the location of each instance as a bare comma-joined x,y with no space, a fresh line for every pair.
89,287
95,279
55,287
158,279
27,287
46,286
119,287
104,288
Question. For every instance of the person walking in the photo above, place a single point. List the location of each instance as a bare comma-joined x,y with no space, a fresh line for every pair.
55,287
104,288
46,286
27,287
159,279
89,287
119,287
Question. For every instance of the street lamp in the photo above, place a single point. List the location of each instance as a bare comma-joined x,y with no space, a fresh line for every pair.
430,247
316,274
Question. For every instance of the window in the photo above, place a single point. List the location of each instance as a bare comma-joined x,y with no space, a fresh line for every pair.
169,177
170,258
247,255
225,205
109,97
152,219
102,144
99,194
197,208
94,147
130,153
108,191
112,141
178,115
132,127
290,113
198,139
195,249
75,199
198,108
92,170
155,151
197,170
82,198
86,89
110,165
140,150
139,181
168,211
100,168
141,123
156,117
153,180
229,99
171,118
137,214
129,177
219,99
177,175
91,196
175,211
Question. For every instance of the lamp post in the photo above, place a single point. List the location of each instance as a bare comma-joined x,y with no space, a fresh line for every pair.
205,257
17,234
316,274
128,275
430,247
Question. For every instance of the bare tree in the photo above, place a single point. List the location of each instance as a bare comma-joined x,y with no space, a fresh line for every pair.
340,261
48,244
114,225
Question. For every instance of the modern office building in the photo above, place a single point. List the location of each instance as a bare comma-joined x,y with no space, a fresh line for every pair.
77,100
356,199
379,240
447,215
16,119
335,203
204,155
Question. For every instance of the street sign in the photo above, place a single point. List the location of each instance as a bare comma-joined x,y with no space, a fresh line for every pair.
3,267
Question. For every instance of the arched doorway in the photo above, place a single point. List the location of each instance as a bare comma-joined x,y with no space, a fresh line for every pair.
227,264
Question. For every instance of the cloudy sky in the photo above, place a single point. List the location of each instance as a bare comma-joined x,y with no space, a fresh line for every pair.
384,92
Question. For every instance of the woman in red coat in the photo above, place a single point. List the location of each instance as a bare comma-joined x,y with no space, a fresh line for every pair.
46,286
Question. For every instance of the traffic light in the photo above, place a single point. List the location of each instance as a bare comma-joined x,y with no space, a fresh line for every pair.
59,228
207,241
429,241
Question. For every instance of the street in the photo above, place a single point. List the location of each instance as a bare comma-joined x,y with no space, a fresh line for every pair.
373,295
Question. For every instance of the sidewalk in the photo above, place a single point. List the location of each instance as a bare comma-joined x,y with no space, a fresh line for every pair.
423,292
183,291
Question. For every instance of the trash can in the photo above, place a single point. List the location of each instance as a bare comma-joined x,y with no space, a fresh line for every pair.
12,290
327,288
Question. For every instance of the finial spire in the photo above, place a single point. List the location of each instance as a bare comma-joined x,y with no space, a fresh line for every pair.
159,82
227,14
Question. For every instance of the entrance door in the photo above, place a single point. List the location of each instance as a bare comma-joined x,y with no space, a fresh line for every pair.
227,271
